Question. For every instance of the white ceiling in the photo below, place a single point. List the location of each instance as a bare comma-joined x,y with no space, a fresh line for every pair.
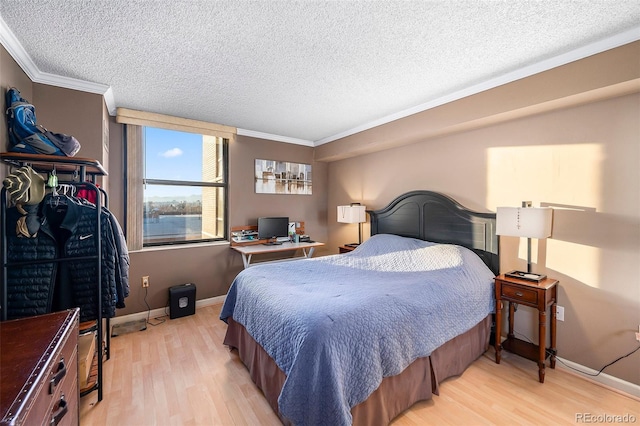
302,71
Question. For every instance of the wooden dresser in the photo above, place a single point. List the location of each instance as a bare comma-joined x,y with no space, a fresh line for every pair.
39,370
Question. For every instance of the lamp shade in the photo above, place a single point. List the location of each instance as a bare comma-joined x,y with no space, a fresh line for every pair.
528,222
352,214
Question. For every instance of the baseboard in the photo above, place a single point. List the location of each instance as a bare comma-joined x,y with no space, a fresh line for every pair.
611,382
155,313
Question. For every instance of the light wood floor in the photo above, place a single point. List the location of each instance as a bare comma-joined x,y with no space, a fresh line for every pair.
179,373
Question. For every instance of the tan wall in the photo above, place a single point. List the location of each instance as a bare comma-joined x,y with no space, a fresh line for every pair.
213,267
247,206
608,74
75,113
583,160
11,75
116,169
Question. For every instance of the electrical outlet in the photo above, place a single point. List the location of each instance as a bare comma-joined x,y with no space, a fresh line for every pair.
145,281
560,313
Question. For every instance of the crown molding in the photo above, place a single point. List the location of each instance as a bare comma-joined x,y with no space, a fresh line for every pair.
24,61
600,46
15,49
17,52
278,138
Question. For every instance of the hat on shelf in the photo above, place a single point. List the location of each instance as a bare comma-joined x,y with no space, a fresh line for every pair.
25,186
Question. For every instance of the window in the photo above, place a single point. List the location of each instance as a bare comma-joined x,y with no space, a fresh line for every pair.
184,188
176,179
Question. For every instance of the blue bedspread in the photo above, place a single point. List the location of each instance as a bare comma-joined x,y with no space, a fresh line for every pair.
336,325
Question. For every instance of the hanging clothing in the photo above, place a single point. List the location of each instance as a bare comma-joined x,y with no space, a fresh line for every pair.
88,195
68,229
122,263
29,286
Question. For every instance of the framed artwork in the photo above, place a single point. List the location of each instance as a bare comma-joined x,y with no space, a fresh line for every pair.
282,177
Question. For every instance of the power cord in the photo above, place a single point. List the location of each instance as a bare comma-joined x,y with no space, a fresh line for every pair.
576,369
159,320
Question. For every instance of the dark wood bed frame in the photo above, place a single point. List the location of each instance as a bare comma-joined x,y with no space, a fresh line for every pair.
435,217
427,216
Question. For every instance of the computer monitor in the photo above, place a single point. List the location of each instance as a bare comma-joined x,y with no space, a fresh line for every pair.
270,228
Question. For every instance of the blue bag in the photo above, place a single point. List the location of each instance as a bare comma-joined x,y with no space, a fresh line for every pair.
27,137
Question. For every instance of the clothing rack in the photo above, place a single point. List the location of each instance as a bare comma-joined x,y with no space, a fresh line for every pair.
85,170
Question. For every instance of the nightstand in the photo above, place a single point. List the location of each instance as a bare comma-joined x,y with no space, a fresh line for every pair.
540,295
346,249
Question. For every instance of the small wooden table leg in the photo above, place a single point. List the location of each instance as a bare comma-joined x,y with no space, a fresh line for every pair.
512,309
552,359
542,334
498,331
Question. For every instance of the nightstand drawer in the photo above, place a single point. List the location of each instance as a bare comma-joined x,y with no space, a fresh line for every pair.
519,294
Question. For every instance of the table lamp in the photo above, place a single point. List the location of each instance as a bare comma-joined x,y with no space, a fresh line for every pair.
528,222
354,213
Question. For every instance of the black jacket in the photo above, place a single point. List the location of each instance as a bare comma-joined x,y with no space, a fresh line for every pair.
68,231
29,286
122,261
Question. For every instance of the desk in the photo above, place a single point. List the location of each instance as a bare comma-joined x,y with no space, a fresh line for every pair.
248,251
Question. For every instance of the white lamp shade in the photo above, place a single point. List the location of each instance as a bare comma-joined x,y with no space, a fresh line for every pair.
352,214
528,222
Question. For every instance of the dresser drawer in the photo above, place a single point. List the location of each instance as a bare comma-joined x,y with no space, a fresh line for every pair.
64,400
55,401
65,409
519,294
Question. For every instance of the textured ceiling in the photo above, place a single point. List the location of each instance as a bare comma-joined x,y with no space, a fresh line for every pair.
309,70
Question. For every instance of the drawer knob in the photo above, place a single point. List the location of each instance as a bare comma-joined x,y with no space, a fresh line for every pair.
519,294
63,407
59,375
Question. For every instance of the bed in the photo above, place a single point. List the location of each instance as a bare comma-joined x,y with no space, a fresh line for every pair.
357,338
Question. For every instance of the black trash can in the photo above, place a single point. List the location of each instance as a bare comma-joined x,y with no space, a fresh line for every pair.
182,300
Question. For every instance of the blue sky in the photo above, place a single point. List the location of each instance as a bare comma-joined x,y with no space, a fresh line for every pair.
172,155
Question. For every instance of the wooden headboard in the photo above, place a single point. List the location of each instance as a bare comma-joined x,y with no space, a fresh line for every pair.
435,217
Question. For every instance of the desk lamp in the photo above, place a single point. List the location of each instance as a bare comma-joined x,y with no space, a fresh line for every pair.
528,222
354,213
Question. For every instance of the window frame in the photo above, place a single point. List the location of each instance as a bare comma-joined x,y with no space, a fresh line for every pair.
224,176
134,122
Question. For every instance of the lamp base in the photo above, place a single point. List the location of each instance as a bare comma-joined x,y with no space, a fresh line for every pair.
525,276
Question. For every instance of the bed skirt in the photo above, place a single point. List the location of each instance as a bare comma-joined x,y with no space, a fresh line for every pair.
395,394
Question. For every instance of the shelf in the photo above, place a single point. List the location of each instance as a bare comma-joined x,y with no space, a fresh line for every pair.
92,380
244,236
47,163
524,349
88,327
86,354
